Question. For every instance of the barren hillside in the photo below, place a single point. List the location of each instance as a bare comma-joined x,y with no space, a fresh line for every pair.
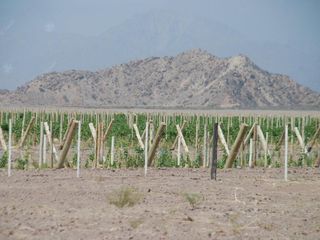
191,79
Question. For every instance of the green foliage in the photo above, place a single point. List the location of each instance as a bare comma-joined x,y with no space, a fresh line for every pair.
22,163
165,159
4,160
125,197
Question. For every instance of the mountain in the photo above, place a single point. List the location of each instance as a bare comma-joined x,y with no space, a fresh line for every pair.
26,53
192,79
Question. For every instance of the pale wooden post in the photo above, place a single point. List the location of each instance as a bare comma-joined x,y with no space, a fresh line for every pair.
204,146
155,144
176,139
41,145
286,154
44,154
146,149
67,144
2,141
49,138
138,135
266,152
179,149
300,140
250,153
78,149
112,150
223,140
9,148
236,146
182,139
108,129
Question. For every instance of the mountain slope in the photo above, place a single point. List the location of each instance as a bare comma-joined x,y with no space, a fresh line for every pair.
191,79
26,53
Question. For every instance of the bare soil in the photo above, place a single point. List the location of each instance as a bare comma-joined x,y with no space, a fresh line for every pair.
241,204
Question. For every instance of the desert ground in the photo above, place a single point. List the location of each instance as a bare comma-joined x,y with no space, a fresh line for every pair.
171,204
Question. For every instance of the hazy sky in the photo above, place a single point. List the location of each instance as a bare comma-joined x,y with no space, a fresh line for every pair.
288,22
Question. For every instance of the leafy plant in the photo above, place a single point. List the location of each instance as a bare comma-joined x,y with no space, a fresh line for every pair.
125,197
4,160
22,163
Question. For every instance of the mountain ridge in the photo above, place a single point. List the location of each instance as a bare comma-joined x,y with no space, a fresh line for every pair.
191,79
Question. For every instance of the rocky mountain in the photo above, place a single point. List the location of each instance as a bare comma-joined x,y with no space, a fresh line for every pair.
27,52
191,79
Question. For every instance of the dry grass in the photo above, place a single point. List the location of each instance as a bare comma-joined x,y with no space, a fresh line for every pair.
125,197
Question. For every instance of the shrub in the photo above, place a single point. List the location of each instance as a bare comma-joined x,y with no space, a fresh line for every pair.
125,197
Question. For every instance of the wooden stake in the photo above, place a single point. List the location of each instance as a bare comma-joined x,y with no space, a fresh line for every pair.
9,148
236,146
286,154
78,149
49,138
67,144
182,139
176,139
44,154
108,130
2,141
214,152
41,145
112,150
250,153
223,140
146,149
138,135
179,150
205,146
155,144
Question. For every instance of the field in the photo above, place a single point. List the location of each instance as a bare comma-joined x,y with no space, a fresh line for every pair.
173,204
113,199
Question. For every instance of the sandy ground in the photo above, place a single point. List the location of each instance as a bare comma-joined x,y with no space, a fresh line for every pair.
241,204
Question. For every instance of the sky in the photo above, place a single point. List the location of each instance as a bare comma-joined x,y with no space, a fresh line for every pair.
293,23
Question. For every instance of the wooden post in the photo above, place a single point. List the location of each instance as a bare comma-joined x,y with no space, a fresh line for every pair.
78,149
236,146
112,151
179,150
176,139
266,151
286,154
2,141
49,138
108,130
182,139
300,140
214,152
25,134
250,153
51,148
138,135
146,149
204,146
155,144
41,145
223,140
67,144
44,153
9,148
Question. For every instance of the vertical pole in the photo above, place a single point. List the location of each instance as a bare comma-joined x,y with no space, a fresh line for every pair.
205,145
179,150
44,152
146,149
9,148
250,153
78,149
286,154
214,152
51,148
112,150
41,144
266,151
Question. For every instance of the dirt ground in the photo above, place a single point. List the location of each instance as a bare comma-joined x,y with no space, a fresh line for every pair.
241,204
